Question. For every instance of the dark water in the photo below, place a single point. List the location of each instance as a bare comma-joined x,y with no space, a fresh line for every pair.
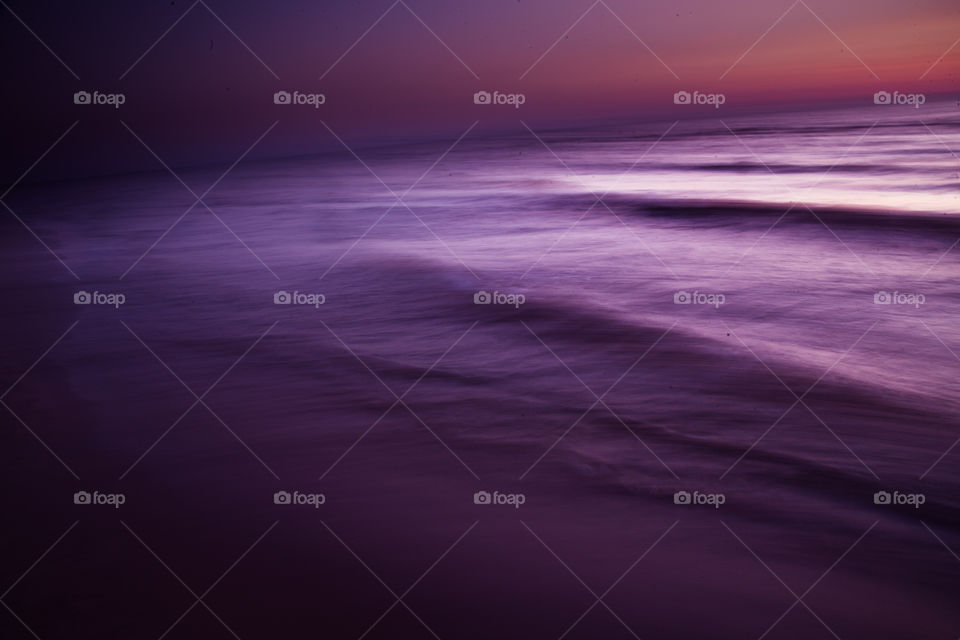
796,393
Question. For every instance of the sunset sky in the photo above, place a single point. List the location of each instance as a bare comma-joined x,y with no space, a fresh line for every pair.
200,95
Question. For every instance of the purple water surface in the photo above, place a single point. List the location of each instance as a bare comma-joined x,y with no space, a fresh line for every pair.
820,368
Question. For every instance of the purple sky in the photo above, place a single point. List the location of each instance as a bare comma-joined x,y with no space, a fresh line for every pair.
199,95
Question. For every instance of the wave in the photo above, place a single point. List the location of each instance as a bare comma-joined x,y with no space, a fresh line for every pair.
865,217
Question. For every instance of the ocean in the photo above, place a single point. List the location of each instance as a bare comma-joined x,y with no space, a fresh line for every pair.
688,379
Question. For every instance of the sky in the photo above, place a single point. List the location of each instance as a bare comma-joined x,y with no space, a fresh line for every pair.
198,79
